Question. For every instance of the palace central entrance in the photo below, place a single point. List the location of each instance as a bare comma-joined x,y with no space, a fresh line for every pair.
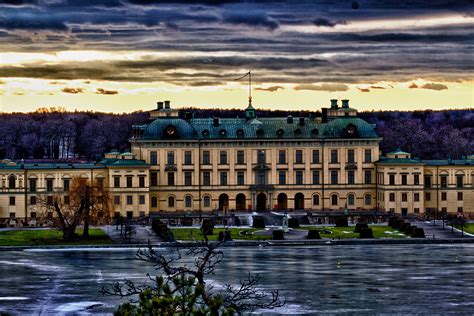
261,202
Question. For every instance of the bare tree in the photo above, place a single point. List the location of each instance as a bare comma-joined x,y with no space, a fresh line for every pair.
181,288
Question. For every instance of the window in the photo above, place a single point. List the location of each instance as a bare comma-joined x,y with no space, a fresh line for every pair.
12,215
334,199
316,177
299,177
141,199
281,156
33,185
282,177
12,200
404,197
427,196
171,201
129,181
444,196
334,156
240,178
32,200
153,158
334,176
188,201
49,200
223,177
350,156
391,179
459,181
206,178
117,199
368,199
416,197
11,182
298,156
223,157
33,214
261,159
460,210
153,178
315,156
116,181
207,201
404,179
188,157
367,177
427,181
459,196
261,177
154,202
391,197
170,158
240,157
188,178
49,185
206,157
416,179
444,181
315,199
100,183
141,181
416,210
171,178
350,199
350,177
129,199
368,155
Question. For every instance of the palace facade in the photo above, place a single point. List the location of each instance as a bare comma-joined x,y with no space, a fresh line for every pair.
326,162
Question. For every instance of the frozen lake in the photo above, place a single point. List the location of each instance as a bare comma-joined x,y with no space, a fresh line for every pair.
357,279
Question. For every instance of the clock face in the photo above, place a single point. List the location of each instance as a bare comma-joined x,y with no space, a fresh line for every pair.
170,131
351,129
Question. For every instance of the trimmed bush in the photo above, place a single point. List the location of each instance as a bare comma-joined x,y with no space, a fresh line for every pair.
293,222
225,236
397,223
162,231
342,222
360,226
403,225
278,235
391,220
313,234
207,227
366,233
258,222
237,221
410,229
418,233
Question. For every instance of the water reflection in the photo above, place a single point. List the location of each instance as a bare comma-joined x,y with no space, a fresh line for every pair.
326,279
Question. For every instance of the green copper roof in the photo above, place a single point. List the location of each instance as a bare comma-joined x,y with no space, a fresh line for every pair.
112,162
398,151
259,128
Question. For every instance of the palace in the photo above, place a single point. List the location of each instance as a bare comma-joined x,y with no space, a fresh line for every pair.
326,162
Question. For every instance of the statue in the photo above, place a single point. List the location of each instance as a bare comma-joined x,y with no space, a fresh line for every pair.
284,224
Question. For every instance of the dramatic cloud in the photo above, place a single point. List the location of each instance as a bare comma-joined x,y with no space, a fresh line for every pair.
377,87
434,86
249,18
72,90
331,87
413,86
363,89
104,91
328,23
270,89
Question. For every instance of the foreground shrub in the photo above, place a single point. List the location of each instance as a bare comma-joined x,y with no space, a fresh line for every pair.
366,233
207,227
360,226
225,235
313,234
342,222
258,222
162,231
418,233
293,222
278,235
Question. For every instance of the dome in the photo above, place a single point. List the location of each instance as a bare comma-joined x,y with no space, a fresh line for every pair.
169,128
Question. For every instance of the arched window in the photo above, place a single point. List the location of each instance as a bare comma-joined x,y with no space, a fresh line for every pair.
188,201
368,199
207,201
171,201
154,201
334,199
11,182
350,199
315,199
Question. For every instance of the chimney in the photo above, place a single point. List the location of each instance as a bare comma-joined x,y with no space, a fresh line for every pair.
345,104
333,103
160,105
301,121
167,104
215,121
324,115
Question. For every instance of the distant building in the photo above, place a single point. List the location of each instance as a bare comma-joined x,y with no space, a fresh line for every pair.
324,163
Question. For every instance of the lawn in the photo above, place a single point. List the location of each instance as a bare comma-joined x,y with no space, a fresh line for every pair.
468,228
195,234
348,232
33,237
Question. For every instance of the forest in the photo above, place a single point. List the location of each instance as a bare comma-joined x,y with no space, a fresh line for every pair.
53,133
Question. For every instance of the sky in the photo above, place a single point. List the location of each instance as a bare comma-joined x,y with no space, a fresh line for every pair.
125,55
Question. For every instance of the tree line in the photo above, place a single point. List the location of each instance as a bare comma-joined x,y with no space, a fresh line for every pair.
58,134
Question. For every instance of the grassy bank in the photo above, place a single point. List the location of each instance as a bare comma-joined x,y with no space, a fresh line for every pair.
36,237
348,232
468,228
195,234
